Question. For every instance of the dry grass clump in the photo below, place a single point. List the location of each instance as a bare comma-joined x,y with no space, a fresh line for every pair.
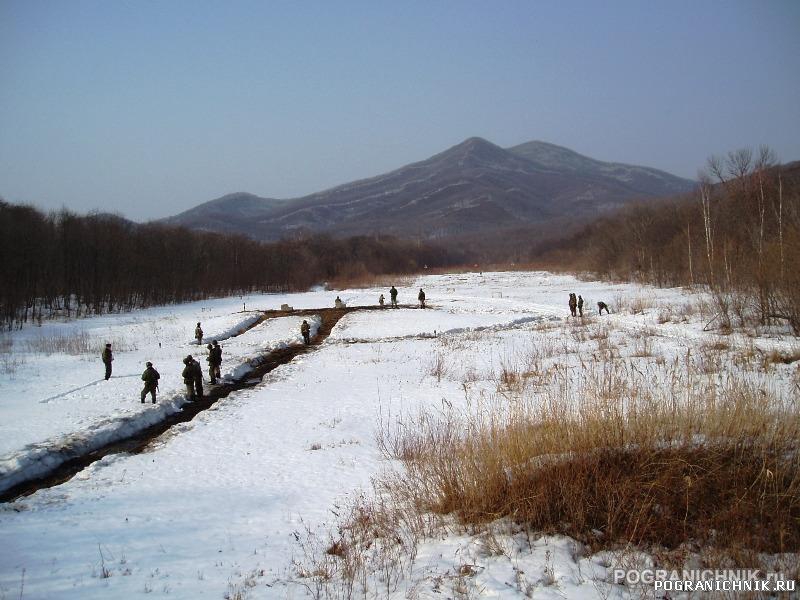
76,343
643,344
606,349
719,345
464,340
637,460
9,360
672,312
624,303
599,332
785,357
370,552
439,366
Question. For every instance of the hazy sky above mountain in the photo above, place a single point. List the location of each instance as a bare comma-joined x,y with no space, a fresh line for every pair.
149,108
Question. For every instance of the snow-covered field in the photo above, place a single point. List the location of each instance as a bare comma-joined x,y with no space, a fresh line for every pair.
217,505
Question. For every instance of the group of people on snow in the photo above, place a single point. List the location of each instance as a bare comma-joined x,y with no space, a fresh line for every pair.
393,297
576,306
192,378
192,372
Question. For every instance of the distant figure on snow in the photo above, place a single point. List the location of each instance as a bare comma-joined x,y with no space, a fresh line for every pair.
215,361
393,296
150,378
573,304
305,329
338,303
188,376
198,334
108,358
381,300
198,378
580,306
602,305
421,298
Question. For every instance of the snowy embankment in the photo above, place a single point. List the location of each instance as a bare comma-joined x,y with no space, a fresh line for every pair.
226,504
409,324
96,425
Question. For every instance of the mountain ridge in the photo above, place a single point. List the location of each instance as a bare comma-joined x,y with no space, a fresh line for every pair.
472,186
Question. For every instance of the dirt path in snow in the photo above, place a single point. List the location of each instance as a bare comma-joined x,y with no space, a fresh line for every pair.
140,441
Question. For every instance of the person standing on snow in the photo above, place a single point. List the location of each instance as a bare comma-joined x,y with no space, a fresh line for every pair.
305,329
198,334
421,298
381,300
150,378
198,378
602,305
108,358
210,359
188,376
216,353
580,306
192,378
393,296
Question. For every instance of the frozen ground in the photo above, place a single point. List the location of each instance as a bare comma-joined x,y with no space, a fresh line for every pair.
218,505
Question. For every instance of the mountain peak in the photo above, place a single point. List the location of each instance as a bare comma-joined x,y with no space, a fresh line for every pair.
476,145
473,152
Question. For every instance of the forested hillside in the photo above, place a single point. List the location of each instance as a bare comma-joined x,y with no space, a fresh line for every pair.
67,264
739,234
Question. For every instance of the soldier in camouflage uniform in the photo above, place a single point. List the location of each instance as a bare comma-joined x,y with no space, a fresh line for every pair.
217,363
421,298
573,304
150,378
198,334
198,378
210,359
602,305
108,358
393,296
305,329
188,376
580,306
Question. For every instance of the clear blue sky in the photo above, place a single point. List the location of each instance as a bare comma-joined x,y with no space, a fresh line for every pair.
149,108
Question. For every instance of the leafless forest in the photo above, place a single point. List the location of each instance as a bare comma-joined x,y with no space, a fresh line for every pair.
739,234
65,264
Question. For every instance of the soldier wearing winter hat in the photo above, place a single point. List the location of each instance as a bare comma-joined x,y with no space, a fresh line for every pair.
150,378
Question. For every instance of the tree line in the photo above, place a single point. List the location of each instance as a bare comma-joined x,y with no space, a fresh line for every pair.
62,263
738,234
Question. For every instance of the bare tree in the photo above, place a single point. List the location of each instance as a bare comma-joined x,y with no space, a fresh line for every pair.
705,202
738,164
